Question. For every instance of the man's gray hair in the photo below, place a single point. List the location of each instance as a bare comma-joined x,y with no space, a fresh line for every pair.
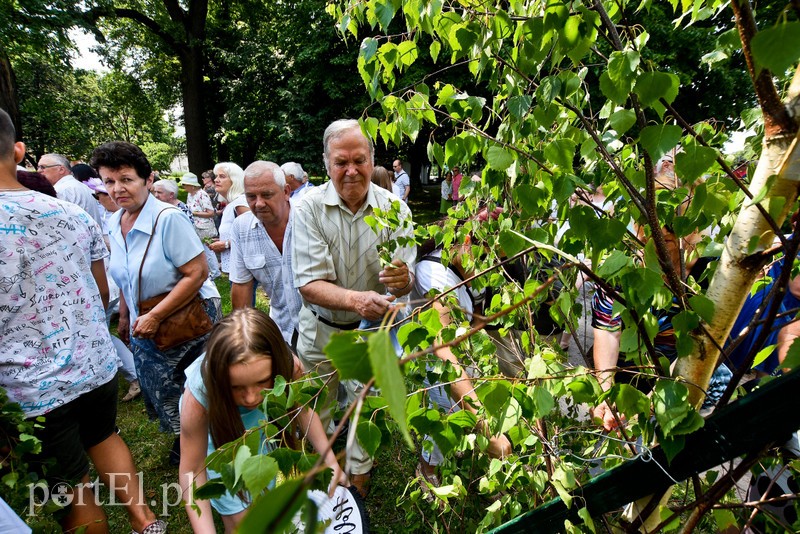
60,160
335,130
257,168
295,169
168,186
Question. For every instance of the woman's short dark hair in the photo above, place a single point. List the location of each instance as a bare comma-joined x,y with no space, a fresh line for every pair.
117,154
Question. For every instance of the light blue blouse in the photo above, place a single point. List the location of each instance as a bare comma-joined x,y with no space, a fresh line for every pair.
174,245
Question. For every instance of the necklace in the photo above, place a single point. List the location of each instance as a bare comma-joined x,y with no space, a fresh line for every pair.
13,189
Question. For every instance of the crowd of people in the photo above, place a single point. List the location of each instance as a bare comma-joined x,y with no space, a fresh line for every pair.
202,375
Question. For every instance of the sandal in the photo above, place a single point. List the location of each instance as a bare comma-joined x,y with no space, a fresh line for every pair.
156,527
134,390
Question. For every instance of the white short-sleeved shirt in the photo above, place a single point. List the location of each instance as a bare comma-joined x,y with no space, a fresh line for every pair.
225,225
334,244
174,244
432,275
254,255
53,335
400,183
71,190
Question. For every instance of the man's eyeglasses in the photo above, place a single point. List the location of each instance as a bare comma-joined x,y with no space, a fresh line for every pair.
43,167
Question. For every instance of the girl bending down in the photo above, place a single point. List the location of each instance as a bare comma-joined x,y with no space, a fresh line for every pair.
223,399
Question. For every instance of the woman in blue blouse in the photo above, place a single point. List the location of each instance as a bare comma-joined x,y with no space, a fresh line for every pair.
174,264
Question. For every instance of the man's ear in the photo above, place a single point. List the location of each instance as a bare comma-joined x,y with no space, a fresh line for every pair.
19,152
287,190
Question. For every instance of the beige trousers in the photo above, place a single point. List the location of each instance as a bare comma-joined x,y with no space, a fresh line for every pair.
313,336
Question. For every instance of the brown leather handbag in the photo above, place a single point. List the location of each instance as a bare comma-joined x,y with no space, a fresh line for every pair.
188,322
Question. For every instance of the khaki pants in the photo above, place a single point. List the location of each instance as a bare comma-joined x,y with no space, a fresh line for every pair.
313,336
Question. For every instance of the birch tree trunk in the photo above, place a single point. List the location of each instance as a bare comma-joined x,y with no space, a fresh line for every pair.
740,264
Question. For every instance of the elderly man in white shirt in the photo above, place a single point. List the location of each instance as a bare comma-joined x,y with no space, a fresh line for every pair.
56,169
261,242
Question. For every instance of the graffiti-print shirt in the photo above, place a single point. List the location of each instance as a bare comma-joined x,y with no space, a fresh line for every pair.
54,342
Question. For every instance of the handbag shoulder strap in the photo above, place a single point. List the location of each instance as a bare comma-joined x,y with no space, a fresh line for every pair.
141,265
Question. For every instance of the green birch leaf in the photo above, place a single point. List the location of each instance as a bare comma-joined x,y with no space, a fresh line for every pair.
560,153
694,161
463,419
606,233
672,445
387,54
370,126
658,140
614,263
622,66
273,511
242,454
616,92
519,105
408,52
389,378
703,306
586,517
384,10
349,356
494,396
543,401
511,242
693,421
503,25
369,435
778,48
278,386
762,355
434,50
499,158
792,360
310,516
210,490
724,519
412,335
430,320
652,86
286,459
257,472
548,90
510,415
453,152
622,120
461,38
583,389
670,404
629,400
369,47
